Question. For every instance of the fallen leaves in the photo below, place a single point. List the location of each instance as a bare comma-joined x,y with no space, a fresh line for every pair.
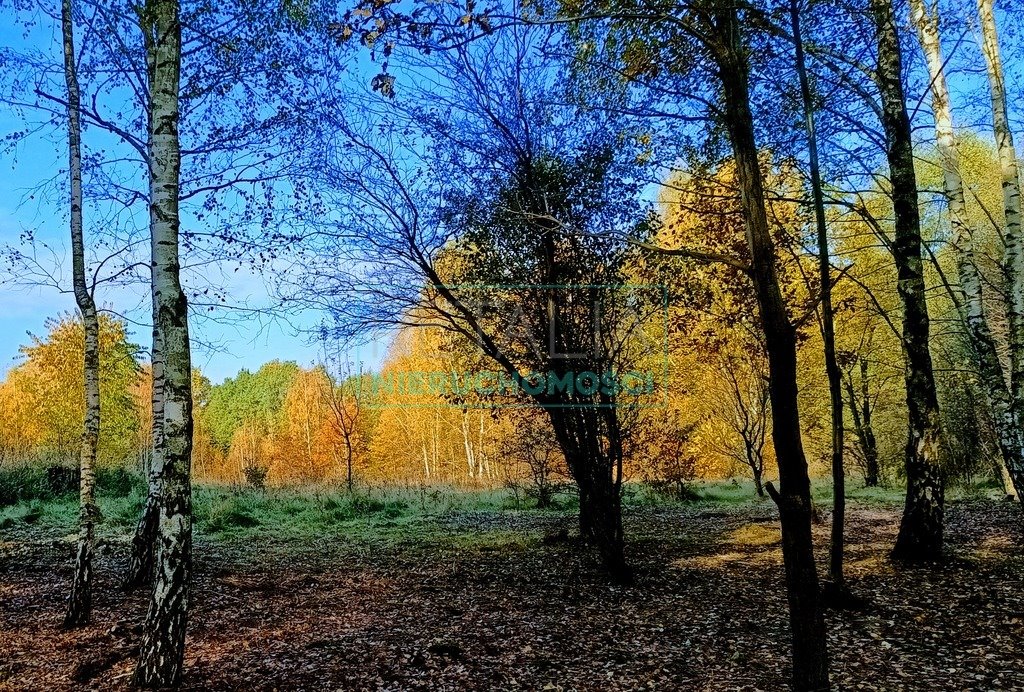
494,605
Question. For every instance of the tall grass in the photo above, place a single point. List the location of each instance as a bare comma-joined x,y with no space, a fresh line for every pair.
27,482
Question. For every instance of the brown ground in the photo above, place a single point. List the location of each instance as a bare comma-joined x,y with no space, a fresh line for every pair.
504,613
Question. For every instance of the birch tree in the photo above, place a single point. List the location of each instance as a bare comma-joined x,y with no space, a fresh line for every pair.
140,557
80,601
1005,415
162,651
1013,255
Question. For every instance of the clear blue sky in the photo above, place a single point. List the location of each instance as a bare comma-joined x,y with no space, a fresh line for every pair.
236,343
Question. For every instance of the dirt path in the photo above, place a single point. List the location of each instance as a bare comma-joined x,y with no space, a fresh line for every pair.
491,608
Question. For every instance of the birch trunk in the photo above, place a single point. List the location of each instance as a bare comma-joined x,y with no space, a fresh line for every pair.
140,559
920,535
1006,416
1013,259
162,650
810,653
79,606
1013,255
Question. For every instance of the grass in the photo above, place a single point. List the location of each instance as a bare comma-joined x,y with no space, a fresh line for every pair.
227,513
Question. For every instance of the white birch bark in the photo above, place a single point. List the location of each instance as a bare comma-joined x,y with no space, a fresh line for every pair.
1005,418
1013,258
80,600
162,651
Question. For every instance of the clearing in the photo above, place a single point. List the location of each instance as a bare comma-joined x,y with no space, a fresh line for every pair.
318,592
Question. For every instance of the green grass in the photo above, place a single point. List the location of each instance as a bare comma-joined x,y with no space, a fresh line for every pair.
26,482
227,513
740,492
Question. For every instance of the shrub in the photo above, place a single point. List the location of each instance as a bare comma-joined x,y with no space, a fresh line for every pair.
229,513
356,506
256,476
126,510
22,483
26,514
63,480
118,482
677,489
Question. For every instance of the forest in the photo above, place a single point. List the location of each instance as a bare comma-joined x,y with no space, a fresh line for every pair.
629,344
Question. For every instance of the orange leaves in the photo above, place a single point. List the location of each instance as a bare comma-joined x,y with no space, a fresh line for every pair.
42,405
303,445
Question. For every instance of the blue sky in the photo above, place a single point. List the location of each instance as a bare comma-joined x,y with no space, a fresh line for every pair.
225,346
238,343
222,347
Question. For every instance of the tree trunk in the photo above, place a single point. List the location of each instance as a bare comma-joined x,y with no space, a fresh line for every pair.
80,600
595,465
920,535
1004,414
162,651
1013,255
810,653
140,558
139,570
1013,258
348,462
828,333
862,424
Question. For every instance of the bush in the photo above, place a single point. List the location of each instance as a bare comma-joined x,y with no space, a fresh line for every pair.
256,476
21,483
63,480
26,514
357,506
228,513
118,482
676,489
126,510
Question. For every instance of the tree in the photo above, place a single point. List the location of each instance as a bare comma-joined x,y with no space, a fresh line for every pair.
44,418
511,250
79,606
563,325
1005,414
249,397
531,451
828,333
250,454
861,404
162,651
740,408
714,41
341,395
234,157
304,439
810,656
920,535
1013,257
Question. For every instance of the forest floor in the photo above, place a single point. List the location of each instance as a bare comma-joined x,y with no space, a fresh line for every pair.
496,599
